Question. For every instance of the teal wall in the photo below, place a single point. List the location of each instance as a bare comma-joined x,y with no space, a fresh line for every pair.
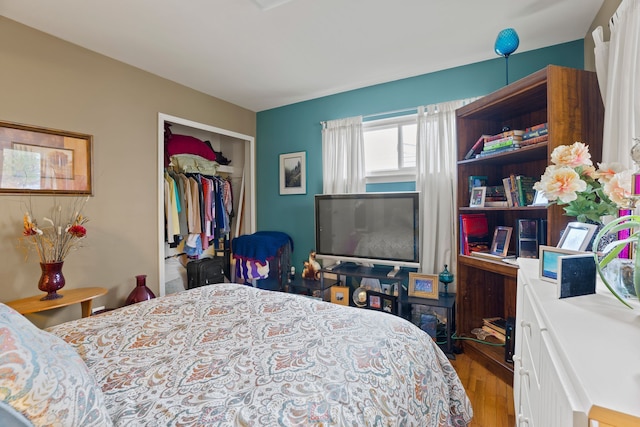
296,127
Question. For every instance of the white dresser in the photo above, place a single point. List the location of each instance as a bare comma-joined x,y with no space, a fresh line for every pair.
577,360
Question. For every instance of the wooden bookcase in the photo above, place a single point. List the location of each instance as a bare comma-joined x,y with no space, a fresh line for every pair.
569,101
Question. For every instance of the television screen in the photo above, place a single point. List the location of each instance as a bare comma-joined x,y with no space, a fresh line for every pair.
378,227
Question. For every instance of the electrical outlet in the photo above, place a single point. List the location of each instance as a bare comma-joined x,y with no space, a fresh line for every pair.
94,310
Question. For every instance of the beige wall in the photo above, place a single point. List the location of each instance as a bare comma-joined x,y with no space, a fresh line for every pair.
47,82
602,19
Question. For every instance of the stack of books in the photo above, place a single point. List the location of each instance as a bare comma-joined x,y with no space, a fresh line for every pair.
535,134
495,326
505,141
495,196
519,190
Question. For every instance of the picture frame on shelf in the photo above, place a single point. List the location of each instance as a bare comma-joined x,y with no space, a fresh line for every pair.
293,173
39,160
389,304
423,285
340,295
548,261
478,195
501,240
374,300
577,235
539,199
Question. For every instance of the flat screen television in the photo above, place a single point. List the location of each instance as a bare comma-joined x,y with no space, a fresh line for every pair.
369,228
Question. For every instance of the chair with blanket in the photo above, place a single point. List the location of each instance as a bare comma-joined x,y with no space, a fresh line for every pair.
262,259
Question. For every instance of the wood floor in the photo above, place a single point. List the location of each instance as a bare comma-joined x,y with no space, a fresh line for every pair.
491,398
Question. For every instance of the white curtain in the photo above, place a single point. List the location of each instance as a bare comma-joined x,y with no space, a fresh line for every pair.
619,82
343,156
436,181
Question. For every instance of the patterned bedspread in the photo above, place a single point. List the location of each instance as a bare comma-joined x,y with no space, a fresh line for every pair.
233,355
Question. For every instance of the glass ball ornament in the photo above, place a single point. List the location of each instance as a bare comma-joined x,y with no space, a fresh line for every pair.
507,42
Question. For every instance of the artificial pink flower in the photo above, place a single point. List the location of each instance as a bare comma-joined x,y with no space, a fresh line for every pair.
618,188
573,155
560,182
606,171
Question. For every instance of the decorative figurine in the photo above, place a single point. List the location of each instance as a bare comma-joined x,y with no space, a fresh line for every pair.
311,268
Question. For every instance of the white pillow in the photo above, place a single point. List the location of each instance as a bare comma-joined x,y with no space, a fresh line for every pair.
43,378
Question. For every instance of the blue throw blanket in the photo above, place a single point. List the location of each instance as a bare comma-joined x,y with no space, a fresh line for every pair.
260,246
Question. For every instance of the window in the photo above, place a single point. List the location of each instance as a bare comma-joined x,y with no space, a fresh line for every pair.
390,148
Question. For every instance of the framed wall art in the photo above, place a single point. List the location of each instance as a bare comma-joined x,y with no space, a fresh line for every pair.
423,285
40,160
293,173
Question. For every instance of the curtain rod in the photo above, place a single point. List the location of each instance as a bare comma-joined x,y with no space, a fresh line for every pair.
386,113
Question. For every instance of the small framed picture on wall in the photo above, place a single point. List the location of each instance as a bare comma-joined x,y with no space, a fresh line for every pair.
293,173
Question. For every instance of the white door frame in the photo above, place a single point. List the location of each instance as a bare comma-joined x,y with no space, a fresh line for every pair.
249,181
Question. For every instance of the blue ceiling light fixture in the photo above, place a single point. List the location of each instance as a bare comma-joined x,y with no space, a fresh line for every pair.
506,43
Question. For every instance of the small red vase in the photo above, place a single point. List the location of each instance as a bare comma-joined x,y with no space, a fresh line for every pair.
140,292
51,280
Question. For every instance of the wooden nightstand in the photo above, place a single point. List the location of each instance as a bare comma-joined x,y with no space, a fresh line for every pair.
84,296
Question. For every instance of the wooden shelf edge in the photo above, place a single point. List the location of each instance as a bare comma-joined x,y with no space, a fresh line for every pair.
502,208
491,357
489,265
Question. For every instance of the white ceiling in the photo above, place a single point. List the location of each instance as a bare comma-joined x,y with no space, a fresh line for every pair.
300,49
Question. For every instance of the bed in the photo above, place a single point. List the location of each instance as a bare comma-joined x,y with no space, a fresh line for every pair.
229,355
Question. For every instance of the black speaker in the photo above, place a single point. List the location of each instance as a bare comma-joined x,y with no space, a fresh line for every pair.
510,339
528,237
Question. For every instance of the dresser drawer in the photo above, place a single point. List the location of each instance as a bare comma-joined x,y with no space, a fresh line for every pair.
530,327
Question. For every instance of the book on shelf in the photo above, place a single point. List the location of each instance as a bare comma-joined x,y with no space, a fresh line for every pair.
498,151
477,181
511,190
502,142
526,193
495,191
515,132
476,147
499,336
474,233
498,324
536,127
496,204
533,141
534,131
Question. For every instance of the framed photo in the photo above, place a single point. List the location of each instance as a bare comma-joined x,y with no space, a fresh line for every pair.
293,173
375,300
501,239
423,285
539,199
478,195
46,161
549,261
389,304
577,235
340,295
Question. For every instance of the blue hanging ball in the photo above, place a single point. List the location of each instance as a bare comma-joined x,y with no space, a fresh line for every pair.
507,42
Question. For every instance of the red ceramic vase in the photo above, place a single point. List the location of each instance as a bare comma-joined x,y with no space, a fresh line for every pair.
51,280
140,292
